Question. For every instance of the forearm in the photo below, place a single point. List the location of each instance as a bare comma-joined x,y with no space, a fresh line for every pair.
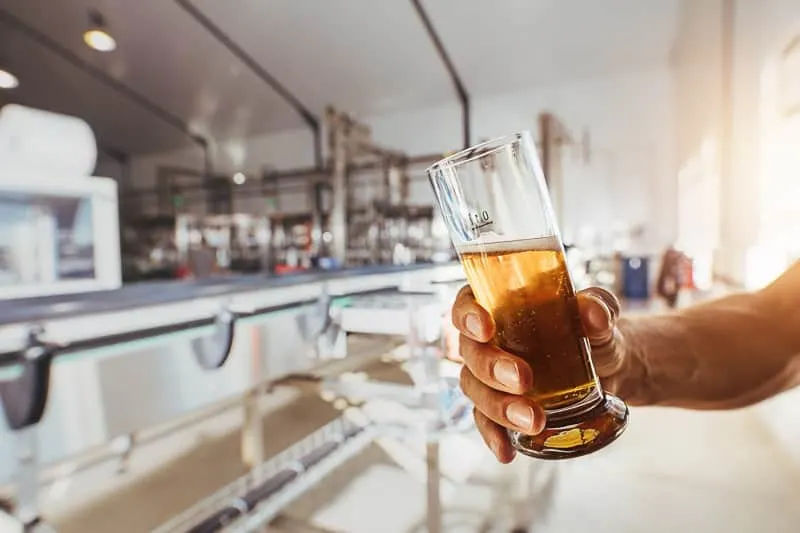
724,354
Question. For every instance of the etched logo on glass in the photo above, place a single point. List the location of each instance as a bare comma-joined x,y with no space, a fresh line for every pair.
480,220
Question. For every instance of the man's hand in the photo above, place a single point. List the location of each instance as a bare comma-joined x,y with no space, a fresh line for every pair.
495,380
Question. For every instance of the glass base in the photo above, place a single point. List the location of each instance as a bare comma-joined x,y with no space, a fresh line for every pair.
576,435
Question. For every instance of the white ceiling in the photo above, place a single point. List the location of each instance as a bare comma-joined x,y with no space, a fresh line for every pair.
511,44
364,56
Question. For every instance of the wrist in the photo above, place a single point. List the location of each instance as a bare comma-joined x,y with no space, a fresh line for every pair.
634,384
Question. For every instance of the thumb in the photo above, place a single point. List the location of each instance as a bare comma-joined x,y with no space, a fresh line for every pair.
599,310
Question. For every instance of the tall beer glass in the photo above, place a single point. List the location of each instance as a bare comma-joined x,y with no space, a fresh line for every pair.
495,202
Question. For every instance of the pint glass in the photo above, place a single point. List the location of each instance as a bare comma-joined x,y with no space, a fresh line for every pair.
495,203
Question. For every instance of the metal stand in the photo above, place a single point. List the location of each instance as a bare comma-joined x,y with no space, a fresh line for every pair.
428,394
434,494
24,400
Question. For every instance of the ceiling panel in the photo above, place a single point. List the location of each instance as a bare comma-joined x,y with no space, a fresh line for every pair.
365,56
513,44
48,82
167,57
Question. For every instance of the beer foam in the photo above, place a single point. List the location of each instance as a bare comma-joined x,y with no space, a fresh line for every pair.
491,243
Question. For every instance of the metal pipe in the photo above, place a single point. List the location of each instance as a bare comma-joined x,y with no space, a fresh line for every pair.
12,358
338,216
242,505
297,173
261,72
104,453
461,90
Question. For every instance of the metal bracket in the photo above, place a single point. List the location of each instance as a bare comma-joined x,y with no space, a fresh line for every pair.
25,398
213,350
316,320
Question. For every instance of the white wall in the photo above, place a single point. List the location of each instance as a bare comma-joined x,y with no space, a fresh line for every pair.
763,29
629,179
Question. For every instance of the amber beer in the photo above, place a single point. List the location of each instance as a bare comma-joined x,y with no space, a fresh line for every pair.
527,289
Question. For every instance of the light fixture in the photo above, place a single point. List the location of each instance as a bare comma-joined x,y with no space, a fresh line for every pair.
97,36
8,80
239,178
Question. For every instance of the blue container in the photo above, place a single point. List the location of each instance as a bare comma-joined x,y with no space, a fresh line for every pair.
636,278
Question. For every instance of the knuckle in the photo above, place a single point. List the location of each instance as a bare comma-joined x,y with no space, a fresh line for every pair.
468,349
464,303
465,382
481,358
498,412
608,298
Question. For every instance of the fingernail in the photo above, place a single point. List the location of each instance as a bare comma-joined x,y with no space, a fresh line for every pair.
473,324
506,372
521,415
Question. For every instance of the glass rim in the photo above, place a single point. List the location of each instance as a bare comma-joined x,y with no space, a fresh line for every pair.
483,148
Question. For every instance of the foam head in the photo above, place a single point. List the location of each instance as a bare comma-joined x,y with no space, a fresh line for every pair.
491,243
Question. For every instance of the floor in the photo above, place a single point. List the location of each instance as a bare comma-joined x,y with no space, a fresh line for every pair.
671,471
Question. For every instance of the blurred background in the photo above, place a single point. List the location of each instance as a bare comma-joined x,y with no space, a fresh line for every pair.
223,278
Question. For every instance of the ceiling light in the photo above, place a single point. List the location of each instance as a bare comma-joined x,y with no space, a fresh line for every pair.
239,178
97,36
100,41
8,80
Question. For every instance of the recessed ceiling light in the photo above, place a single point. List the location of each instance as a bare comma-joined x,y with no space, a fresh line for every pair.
8,80
100,40
239,178
97,36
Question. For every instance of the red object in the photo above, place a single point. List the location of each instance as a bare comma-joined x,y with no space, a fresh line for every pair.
183,272
687,273
286,269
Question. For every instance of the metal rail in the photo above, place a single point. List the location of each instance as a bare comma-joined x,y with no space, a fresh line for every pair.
258,69
10,358
458,84
256,498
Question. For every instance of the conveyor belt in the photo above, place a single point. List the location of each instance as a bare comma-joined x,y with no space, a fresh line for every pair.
165,292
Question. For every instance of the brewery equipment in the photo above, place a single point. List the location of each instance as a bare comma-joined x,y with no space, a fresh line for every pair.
241,242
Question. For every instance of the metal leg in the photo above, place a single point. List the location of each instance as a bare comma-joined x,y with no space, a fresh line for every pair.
126,446
27,476
522,496
252,446
434,495
252,431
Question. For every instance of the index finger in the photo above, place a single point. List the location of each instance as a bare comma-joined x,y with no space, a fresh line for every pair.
470,318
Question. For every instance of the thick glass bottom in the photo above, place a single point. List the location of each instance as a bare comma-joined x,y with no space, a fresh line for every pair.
578,434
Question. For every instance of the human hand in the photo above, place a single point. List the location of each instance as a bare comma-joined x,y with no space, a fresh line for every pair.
495,380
